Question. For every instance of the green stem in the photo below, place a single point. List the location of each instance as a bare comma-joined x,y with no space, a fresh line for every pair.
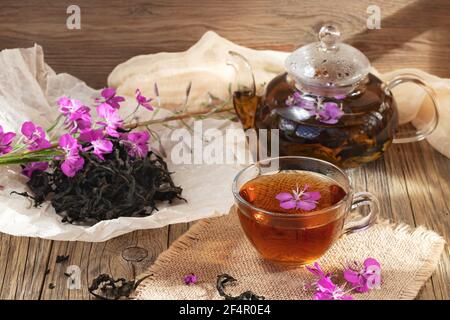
135,110
53,126
32,156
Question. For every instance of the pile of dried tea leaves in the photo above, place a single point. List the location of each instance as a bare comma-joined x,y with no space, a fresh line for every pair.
118,186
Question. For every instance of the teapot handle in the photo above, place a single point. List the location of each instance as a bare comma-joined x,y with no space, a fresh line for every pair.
420,134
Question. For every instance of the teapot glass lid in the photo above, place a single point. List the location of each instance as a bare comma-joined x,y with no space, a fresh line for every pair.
327,63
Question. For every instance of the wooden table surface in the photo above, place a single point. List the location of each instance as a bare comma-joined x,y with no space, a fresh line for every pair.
411,181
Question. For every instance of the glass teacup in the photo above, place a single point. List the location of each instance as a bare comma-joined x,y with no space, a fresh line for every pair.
300,238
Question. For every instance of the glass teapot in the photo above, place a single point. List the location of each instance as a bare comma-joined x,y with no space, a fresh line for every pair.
327,104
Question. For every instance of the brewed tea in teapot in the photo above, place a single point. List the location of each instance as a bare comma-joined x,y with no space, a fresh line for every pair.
327,104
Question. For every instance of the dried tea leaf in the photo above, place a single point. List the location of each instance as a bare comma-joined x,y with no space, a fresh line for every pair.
225,279
105,287
119,186
62,258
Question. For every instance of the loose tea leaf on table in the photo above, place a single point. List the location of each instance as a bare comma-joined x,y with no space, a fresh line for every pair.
225,279
62,258
119,186
105,287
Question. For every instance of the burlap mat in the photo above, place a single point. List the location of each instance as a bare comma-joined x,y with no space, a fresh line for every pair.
218,245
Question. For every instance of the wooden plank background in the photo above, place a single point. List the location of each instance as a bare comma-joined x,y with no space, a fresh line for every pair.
411,181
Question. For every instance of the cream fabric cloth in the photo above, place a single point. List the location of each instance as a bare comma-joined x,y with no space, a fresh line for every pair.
205,65
218,245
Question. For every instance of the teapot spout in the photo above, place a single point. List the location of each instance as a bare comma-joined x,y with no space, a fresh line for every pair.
245,100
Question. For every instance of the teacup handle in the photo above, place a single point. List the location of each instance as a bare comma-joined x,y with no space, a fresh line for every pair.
362,223
416,135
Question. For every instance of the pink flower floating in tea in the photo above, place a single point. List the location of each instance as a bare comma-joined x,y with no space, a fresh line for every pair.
325,112
297,100
190,279
362,280
330,113
366,277
299,199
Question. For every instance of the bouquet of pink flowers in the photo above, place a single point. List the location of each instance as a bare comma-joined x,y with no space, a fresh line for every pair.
96,170
95,137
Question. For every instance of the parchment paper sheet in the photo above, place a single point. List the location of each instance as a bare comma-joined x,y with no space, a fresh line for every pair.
28,91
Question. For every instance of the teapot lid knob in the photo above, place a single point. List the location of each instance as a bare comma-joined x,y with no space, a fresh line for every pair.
329,35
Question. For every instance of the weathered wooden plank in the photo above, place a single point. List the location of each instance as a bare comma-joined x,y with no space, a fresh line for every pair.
176,230
22,266
97,258
400,203
113,31
426,199
34,270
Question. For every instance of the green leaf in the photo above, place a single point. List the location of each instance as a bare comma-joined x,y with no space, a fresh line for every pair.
27,157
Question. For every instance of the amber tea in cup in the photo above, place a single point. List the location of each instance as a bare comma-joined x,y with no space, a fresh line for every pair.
292,209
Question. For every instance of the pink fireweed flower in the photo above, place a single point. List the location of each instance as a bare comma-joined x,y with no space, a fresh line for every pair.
190,279
340,97
112,119
330,113
317,270
109,97
297,100
68,106
143,101
364,278
136,143
324,287
98,142
294,99
77,115
34,166
79,120
327,290
299,199
34,136
73,162
6,139
101,147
